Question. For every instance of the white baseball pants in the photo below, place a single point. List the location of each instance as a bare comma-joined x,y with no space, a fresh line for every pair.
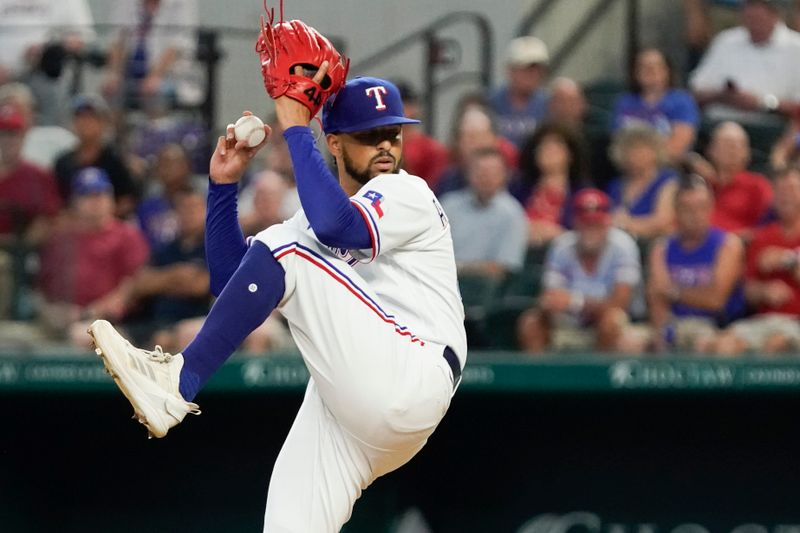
376,392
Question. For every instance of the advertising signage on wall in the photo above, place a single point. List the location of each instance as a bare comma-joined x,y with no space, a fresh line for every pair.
587,522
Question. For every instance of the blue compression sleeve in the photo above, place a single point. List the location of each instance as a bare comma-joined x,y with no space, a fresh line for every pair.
225,245
333,218
252,293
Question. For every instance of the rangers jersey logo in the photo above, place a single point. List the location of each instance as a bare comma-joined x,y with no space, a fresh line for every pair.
375,197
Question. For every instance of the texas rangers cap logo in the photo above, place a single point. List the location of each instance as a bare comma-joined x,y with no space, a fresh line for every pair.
377,92
364,104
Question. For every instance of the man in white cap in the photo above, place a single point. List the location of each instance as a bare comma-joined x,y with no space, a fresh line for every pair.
522,103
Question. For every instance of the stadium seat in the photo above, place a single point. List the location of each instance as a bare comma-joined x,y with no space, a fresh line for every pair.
501,322
535,255
602,94
477,290
526,283
762,139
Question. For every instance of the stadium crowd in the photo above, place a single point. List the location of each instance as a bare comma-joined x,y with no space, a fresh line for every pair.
656,217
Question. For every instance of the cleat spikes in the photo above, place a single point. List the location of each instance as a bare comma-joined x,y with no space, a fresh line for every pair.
149,379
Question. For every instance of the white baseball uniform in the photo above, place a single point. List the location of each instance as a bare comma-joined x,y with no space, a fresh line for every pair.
371,326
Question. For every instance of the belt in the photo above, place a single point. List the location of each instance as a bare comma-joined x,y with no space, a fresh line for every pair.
452,360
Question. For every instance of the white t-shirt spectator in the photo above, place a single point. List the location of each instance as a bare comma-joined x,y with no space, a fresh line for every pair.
769,68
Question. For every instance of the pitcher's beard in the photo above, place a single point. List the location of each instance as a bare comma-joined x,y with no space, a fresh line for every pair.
363,176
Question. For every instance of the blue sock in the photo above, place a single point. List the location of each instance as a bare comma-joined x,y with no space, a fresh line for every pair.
249,297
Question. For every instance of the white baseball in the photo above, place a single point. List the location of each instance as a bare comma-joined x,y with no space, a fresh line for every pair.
249,128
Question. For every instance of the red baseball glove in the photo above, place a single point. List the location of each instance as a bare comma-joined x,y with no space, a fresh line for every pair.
286,45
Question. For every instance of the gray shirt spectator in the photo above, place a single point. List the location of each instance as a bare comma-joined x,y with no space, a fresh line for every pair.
488,225
591,274
618,263
493,232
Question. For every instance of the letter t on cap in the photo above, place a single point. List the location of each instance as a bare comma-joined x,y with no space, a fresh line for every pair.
377,92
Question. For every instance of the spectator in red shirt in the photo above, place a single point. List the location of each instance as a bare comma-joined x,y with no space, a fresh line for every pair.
423,155
742,198
88,257
28,195
772,280
552,169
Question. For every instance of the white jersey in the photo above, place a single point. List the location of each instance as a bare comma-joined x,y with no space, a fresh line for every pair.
371,326
411,265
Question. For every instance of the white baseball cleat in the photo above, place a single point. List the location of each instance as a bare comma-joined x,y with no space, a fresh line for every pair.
148,379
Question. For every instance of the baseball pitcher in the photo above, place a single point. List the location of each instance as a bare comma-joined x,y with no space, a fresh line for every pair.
364,274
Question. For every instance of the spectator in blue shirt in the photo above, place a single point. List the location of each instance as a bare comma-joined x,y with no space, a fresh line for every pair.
653,100
643,195
695,277
522,103
175,286
156,212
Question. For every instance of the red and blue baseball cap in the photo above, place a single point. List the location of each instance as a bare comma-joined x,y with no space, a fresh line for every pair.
11,119
91,180
364,104
591,206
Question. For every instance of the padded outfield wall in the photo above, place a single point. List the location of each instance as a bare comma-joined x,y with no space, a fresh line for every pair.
561,445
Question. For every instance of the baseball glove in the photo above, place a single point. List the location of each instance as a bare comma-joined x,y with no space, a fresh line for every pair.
286,45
